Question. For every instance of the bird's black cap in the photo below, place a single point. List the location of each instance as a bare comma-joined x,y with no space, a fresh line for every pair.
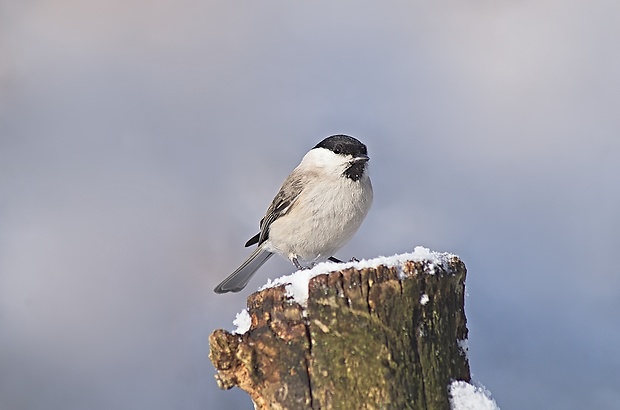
343,144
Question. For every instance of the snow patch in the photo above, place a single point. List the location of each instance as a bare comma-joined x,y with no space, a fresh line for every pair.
424,299
464,347
465,396
243,321
297,283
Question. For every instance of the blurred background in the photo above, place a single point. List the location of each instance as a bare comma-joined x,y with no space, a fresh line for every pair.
141,142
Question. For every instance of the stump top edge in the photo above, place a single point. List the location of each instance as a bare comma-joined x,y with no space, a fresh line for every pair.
295,285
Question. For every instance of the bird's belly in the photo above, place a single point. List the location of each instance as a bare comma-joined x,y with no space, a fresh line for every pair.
316,231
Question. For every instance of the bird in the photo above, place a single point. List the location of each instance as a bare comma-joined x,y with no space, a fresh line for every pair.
317,210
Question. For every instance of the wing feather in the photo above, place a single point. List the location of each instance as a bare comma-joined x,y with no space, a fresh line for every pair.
284,199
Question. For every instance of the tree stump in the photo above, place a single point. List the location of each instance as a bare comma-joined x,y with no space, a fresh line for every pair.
379,337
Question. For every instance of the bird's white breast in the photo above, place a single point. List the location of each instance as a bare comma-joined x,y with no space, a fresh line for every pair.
323,219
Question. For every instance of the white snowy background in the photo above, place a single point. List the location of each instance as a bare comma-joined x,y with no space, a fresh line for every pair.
141,142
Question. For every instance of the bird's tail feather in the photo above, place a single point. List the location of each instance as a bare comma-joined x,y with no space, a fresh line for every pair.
240,278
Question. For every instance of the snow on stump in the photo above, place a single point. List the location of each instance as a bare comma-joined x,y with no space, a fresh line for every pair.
379,334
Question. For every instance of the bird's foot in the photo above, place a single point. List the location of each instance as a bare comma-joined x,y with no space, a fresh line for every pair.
298,265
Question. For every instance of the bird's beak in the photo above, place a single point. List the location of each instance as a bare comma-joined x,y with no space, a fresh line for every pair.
360,158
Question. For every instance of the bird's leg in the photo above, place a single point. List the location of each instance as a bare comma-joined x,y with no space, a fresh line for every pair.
332,259
296,263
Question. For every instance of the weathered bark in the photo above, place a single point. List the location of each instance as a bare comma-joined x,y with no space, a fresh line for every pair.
368,339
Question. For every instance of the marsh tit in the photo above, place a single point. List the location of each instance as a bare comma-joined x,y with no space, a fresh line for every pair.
317,210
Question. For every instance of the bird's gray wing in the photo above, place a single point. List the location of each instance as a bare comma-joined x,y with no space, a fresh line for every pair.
284,199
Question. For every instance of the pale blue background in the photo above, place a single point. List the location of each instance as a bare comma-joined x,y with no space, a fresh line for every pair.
141,142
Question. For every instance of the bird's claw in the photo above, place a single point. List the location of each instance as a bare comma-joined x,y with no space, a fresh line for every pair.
299,265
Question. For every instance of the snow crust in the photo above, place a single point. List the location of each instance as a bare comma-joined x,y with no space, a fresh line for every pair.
297,283
243,321
465,396
464,347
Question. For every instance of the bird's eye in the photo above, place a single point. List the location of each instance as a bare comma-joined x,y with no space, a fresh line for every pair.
337,150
